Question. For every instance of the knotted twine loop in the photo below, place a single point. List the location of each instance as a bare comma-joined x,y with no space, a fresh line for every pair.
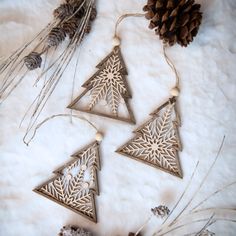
172,66
168,60
122,17
52,117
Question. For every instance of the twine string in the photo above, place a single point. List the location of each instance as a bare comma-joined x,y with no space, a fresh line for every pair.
122,17
52,117
172,66
168,60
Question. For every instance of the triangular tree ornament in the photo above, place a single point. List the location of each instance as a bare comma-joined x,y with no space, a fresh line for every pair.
107,84
157,141
76,183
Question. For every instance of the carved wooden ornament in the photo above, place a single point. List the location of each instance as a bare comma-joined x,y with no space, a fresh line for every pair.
108,85
157,141
76,183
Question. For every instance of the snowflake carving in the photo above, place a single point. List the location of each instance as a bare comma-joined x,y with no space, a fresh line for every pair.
76,183
157,142
109,84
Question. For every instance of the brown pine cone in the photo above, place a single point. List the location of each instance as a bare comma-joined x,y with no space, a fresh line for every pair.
70,26
63,11
175,21
33,61
55,37
133,234
74,231
74,2
93,14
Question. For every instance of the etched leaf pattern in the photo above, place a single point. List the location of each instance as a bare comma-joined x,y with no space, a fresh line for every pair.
87,156
108,83
85,203
157,142
73,188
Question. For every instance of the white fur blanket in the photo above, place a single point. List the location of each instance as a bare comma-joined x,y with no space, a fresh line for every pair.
129,189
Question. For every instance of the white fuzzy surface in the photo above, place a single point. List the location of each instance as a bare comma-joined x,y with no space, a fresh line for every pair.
128,188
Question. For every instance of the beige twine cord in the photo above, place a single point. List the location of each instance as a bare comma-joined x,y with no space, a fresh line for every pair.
52,117
172,66
122,17
168,60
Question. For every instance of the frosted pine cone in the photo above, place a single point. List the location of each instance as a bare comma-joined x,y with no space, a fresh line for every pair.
63,11
93,14
73,231
55,37
88,28
75,2
70,26
206,233
175,21
33,61
161,211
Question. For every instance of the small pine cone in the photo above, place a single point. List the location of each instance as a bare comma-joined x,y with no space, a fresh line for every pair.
74,2
55,37
70,27
76,5
88,28
81,13
133,234
73,231
161,211
206,233
63,11
33,61
175,21
93,14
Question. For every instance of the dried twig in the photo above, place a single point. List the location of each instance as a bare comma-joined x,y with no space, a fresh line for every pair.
72,19
201,184
213,194
173,225
182,195
208,223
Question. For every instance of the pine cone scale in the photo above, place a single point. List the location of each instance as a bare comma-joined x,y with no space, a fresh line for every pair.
165,17
184,20
173,25
183,32
174,12
170,4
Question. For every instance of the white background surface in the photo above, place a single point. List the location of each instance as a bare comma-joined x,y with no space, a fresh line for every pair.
128,188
